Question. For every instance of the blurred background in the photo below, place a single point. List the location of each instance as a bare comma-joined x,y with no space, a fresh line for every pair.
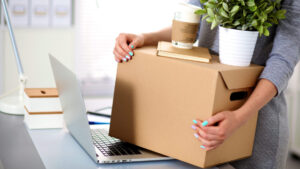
82,34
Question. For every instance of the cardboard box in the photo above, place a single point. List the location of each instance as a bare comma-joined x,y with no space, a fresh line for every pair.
156,99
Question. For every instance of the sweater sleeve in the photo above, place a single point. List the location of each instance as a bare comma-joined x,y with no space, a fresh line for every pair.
286,48
194,2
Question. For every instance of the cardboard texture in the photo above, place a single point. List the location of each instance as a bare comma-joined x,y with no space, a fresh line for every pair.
199,54
41,92
156,99
185,32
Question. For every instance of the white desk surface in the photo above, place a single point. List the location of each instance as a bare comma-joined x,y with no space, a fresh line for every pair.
58,149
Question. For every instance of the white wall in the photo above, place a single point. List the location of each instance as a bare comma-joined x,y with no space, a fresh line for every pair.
293,96
34,46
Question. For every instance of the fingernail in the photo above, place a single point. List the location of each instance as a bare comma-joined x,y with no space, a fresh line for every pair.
127,57
205,123
203,147
193,127
132,46
195,121
124,59
196,135
130,53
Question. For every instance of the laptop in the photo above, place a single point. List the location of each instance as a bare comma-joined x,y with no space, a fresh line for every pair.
96,142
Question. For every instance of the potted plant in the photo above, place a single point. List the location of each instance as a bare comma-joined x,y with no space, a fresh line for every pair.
240,22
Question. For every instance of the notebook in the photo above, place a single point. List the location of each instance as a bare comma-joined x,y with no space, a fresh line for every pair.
199,54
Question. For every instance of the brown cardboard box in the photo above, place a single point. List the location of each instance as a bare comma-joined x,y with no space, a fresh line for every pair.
156,99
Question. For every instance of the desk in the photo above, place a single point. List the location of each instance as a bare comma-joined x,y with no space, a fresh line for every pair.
16,148
55,149
58,149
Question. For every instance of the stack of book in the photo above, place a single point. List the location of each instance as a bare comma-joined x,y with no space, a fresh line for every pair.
42,108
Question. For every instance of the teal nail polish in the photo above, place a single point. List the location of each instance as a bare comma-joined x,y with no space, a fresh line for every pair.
127,57
130,53
203,147
196,135
124,59
132,46
205,123
193,127
195,121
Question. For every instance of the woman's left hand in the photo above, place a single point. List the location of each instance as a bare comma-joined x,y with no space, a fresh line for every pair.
217,128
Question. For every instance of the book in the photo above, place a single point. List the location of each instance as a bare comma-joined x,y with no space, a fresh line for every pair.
42,100
199,54
43,121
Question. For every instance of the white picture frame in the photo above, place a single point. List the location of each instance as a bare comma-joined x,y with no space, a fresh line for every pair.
40,13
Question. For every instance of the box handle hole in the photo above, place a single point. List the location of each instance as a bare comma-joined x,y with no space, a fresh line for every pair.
238,95
43,92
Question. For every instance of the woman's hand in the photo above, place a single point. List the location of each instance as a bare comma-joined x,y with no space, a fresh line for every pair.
125,43
217,128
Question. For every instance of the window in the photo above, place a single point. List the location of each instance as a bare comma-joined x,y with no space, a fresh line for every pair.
98,23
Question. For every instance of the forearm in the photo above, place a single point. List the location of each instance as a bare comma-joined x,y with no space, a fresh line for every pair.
262,94
153,37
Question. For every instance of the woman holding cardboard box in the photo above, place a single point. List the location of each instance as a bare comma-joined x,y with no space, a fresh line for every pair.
279,53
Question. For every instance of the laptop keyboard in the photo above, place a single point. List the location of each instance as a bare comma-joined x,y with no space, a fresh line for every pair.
110,146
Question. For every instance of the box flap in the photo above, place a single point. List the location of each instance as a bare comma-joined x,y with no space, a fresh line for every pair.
241,78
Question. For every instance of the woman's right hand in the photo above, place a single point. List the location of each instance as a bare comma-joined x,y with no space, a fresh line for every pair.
125,43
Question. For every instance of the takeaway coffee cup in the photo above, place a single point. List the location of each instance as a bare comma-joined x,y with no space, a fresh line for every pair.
185,26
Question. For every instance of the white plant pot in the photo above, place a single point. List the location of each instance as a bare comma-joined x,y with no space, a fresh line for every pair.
236,47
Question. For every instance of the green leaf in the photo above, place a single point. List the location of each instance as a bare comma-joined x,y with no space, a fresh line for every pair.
210,12
269,9
250,3
263,17
242,2
210,19
244,12
223,13
203,1
266,32
280,14
253,8
260,30
244,27
220,19
235,9
264,5
205,17
211,5
225,6
254,23
266,24
200,11
226,22
229,27
275,20
214,24
236,23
